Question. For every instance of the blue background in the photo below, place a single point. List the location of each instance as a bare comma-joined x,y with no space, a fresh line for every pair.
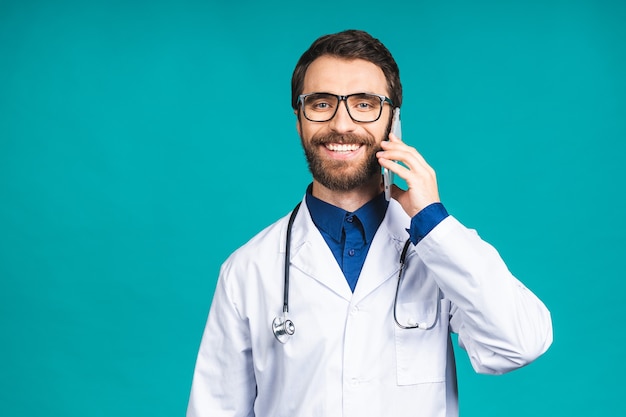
141,142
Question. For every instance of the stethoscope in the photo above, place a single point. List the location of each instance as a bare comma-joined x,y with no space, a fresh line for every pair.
284,328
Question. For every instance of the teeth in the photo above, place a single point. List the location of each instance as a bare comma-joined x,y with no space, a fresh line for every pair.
337,147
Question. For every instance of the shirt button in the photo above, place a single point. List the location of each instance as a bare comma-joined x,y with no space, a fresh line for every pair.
349,219
351,252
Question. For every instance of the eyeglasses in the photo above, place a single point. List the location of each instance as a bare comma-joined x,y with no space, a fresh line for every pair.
362,107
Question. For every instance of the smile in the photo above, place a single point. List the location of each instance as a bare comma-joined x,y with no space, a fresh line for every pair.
342,147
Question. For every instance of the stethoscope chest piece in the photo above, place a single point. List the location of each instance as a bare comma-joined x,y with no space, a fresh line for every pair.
283,329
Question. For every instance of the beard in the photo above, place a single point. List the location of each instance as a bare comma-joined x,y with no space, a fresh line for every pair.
339,175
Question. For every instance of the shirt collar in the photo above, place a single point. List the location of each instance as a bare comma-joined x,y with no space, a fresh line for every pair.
330,219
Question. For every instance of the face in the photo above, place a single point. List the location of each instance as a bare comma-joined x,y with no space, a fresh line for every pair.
341,152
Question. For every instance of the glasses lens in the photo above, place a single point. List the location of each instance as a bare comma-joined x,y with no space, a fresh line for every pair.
320,107
364,107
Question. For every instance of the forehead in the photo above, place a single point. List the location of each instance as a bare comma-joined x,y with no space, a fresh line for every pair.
344,76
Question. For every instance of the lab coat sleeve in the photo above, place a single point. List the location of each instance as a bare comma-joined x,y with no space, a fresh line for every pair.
501,324
223,383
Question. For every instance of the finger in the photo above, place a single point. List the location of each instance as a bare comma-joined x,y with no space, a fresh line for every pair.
393,142
394,138
395,149
396,168
397,144
401,152
406,157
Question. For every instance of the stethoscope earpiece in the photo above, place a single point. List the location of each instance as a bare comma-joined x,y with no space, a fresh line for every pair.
283,328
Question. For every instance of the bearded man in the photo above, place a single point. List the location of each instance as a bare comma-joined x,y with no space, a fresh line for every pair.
373,288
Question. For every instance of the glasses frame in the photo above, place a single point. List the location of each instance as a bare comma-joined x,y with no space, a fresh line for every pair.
340,98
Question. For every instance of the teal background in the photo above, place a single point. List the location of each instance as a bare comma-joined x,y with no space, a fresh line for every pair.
133,161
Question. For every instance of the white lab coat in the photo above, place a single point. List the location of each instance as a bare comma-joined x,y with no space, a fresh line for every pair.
347,357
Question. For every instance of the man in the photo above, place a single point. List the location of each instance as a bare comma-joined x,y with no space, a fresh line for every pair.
359,345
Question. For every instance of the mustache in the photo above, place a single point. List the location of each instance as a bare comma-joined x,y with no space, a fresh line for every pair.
346,139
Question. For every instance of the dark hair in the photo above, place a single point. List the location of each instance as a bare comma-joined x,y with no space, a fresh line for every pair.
349,44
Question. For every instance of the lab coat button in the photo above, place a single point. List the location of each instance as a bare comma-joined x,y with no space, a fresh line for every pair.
354,310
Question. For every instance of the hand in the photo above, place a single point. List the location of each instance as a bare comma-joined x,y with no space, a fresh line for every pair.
419,176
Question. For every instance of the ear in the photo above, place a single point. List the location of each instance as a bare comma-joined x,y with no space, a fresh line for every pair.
298,123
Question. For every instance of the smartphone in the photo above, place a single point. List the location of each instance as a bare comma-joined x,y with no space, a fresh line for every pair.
396,129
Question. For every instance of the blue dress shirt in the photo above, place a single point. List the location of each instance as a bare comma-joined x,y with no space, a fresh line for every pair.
349,234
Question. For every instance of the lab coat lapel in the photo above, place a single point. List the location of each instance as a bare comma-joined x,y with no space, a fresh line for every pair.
383,257
311,255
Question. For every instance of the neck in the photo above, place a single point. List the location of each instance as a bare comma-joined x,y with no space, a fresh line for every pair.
350,200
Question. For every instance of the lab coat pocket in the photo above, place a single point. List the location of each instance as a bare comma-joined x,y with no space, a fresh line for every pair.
421,353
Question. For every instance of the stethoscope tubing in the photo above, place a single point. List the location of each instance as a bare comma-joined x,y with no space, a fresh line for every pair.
284,328
292,218
405,249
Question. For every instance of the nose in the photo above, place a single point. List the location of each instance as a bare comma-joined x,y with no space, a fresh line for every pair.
342,122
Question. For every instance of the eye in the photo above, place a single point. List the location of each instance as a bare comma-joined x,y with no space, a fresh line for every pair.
365,102
364,105
320,105
320,102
